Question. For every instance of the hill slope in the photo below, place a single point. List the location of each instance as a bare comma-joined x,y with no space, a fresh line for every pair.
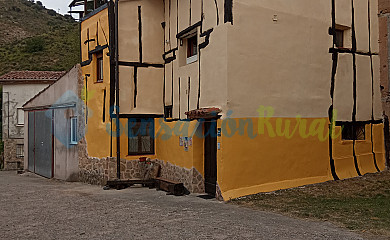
35,38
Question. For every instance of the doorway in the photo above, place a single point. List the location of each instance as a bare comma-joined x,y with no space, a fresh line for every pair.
40,143
210,156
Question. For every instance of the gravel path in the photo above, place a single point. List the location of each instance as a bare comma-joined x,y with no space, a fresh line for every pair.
32,207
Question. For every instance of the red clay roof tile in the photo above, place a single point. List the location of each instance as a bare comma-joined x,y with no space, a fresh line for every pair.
32,75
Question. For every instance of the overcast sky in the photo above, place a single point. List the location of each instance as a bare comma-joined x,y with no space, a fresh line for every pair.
62,5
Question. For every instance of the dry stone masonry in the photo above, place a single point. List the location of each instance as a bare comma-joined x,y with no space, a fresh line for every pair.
98,171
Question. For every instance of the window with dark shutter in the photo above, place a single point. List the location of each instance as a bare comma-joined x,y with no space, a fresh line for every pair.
192,49
339,38
99,67
168,111
355,131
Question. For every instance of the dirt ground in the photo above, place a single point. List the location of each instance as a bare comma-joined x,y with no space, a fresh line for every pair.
32,207
361,204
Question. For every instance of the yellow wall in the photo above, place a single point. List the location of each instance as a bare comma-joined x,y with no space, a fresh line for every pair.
97,138
170,149
272,160
284,64
265,163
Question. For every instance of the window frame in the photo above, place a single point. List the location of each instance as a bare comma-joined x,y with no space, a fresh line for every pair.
168,111
340,33
73,132
17,116
19,150
150,131
192,50
99,67
345,32
347,133
92,5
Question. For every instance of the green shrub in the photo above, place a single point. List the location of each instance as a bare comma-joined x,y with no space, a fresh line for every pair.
51,12
15,9
34,44
38,7
27,3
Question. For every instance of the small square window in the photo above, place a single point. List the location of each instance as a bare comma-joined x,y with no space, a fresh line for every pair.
99,67
141,136
339,38
73,130
20,114
19,150
351,131
168,111
192,49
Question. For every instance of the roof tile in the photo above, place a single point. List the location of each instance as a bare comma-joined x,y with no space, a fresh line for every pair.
32,75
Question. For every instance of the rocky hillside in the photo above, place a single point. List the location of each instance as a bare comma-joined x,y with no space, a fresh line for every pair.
35,38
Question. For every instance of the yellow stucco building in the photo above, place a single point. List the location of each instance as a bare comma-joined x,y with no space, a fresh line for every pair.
232,97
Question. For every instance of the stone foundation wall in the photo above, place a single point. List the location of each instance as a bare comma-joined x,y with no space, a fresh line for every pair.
218,194
98,171
11,162
191,178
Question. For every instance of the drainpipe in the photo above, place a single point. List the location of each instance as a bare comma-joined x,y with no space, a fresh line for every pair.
118,140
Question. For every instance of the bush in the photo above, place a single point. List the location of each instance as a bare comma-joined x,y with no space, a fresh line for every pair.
15,9
34,44
69,17
38,7
51,12
27,3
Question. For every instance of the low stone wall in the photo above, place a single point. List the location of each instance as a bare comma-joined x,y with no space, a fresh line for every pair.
191,178
98,171
11,162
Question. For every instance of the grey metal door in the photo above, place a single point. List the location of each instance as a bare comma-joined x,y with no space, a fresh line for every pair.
43,143
31,141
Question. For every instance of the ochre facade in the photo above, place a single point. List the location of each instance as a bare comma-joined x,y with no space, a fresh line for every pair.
285,86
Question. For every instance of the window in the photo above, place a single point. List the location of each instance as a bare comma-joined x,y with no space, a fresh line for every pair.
73,130
89,6
93,4
339,38
343,36
168,111
99,68
19,150
192,49
20,114
350,130
141,136
100,3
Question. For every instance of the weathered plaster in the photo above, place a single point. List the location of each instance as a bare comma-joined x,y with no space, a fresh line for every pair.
14,96
65,92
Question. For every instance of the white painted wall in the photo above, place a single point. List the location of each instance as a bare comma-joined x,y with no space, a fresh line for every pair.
14,96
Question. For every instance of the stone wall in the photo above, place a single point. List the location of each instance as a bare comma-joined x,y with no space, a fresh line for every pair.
98,171
191,178
11,162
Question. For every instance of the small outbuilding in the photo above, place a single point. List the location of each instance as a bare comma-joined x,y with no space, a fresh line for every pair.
17,88
54,123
